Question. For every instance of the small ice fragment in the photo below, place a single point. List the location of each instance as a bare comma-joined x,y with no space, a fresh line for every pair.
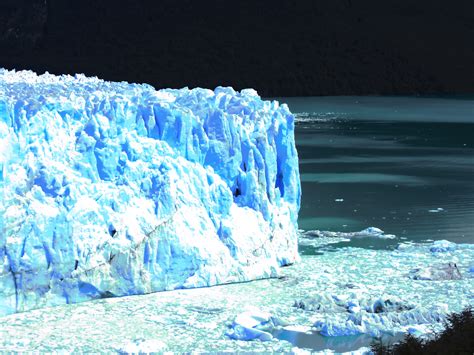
436,210
339,200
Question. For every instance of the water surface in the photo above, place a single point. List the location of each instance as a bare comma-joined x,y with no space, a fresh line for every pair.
405,165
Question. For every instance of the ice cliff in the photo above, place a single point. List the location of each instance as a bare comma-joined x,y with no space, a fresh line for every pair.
111,189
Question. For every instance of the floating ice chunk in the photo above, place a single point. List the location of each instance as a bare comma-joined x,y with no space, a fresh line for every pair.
376,233
254,324
339,200
442,246
436,210
372,230
439,272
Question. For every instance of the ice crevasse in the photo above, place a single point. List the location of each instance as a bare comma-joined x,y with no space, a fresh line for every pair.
111,189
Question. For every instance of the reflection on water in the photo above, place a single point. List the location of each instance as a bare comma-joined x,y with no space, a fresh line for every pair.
316,342
405,165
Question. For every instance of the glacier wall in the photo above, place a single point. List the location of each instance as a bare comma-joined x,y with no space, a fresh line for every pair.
111,189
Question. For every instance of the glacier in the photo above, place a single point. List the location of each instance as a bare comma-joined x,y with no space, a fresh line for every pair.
113,189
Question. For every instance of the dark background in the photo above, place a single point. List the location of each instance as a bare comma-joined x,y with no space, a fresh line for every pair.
280,48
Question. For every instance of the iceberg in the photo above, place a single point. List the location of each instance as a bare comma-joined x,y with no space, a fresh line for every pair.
112,189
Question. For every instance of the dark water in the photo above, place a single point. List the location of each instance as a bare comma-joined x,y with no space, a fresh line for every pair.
405,165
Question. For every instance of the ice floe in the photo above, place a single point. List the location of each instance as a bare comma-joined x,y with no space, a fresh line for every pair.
344,291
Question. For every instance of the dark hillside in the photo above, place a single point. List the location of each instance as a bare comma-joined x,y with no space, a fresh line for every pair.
294,47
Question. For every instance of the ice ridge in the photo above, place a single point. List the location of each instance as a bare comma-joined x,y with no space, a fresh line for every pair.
111,189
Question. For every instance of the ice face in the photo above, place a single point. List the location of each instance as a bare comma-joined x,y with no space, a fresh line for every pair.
112,189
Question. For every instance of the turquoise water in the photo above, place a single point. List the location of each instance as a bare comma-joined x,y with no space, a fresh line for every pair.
405,165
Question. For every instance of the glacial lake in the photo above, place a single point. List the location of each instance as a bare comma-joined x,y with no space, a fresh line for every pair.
402,164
